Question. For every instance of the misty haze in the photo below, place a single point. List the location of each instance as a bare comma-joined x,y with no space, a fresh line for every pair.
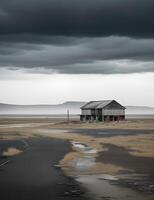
77,99
61,109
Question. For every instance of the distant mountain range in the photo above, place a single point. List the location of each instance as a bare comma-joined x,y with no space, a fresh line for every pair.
72,106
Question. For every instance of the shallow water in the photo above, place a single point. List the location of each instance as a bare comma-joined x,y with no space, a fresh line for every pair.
87,161
20,125
15,125
78,145
104,187
83,164
84,148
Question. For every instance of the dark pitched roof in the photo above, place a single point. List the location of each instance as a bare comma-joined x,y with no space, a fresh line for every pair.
98,104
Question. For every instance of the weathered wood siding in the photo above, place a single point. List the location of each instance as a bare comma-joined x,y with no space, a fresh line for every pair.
117,112
86,112
102,111
113,112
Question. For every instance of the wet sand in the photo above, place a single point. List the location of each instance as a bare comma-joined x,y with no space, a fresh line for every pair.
105,189
74,123
85,153
120,156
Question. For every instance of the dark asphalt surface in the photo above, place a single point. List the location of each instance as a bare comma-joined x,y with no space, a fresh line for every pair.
32,174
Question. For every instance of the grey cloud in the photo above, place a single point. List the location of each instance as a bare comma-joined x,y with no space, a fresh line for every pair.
82,56
17,48
79,18
110,67
73,36
102,67
39,39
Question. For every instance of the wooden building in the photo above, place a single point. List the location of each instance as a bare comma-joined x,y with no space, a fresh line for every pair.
108,110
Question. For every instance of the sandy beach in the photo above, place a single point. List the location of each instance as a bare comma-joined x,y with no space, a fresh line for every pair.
73,157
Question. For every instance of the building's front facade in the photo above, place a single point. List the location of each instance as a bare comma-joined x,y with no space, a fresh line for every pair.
108,110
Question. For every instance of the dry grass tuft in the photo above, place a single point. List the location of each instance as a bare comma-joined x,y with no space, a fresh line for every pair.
11,152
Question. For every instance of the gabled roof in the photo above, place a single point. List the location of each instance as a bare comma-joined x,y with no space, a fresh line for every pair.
98,104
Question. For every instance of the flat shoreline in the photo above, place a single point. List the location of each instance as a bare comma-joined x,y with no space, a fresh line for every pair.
74,123
113,149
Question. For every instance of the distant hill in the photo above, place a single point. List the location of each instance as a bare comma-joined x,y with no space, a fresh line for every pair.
73,106
139,110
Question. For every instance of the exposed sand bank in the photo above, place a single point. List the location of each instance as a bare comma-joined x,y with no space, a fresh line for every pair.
141,145
11,152
146,124
82,162
142,123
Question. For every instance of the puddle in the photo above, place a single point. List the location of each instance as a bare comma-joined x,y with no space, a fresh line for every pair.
108,177
90,150
102,133
133,176
79,145
84,148
83,164
13,125
87,161
104,187
17,125
22,125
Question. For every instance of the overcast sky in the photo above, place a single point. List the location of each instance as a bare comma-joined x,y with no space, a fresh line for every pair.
53,51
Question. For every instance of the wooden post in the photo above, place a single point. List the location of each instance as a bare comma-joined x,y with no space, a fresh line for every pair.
68,117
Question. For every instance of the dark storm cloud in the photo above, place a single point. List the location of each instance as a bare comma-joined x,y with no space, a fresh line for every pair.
39,39
77,36
83,49
108,67
87,55
132,18
17,48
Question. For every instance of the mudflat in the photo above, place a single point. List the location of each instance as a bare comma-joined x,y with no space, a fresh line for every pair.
60,159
